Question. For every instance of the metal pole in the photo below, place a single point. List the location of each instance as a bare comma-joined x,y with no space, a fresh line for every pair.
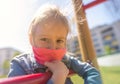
84,37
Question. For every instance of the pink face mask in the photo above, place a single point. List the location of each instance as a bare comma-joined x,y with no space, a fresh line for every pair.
43,55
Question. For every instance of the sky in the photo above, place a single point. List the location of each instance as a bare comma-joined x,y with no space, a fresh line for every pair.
15,17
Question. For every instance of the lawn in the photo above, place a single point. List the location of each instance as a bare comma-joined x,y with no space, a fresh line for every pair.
110,75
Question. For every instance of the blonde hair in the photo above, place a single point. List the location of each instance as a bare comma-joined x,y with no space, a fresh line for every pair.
46,12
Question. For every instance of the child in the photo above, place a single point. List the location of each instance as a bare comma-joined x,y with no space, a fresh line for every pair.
48,34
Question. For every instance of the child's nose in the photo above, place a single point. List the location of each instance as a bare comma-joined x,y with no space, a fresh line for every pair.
52,45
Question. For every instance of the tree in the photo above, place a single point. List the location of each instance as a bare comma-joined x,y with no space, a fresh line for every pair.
16,53
6,65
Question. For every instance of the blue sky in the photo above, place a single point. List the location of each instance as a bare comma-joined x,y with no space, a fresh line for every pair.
15,16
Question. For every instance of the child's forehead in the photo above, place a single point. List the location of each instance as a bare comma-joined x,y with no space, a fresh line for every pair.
51,29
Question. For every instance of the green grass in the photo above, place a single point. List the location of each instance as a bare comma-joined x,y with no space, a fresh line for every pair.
77,80
110,75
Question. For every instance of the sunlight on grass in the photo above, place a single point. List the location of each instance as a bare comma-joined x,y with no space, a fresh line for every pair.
77,80
110,75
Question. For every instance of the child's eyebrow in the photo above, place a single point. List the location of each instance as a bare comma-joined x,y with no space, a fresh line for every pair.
62,38
42,35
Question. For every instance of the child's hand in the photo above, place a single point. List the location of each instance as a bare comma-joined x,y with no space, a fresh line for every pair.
59,70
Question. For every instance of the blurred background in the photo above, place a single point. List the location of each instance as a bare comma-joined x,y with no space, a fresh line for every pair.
103,21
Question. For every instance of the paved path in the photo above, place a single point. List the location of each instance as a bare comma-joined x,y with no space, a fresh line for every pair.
110,60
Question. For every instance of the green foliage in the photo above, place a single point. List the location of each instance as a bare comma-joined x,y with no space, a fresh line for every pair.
107,50
6,64
16,53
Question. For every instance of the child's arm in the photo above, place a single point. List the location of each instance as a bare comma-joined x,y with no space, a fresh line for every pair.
86,71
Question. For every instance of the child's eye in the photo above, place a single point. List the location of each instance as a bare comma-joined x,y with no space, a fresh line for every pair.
44,39
60,41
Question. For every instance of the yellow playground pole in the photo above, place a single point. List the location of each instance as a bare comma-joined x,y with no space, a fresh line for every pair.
84,37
